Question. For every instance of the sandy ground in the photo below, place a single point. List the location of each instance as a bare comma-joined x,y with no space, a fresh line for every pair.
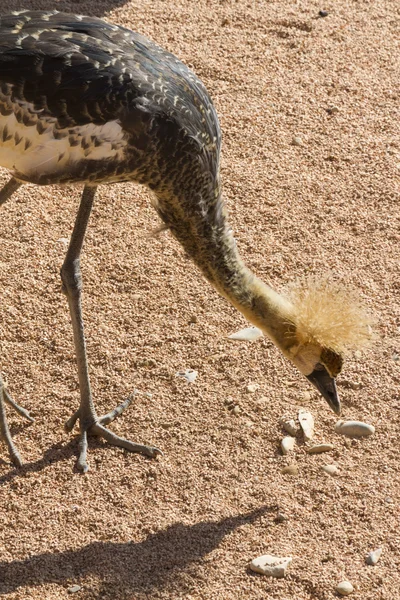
187,525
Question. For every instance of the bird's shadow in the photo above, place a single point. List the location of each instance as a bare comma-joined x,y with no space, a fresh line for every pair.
125,569
57,452
83,7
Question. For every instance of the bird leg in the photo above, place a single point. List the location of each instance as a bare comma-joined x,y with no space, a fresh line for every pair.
89,422
5,434
5,193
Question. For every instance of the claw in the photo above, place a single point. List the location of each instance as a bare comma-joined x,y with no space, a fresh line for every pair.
97,428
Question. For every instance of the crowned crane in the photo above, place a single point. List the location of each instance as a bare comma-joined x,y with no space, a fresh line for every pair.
84,101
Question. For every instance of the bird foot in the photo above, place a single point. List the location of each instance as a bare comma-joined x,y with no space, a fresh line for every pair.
98,428
5,434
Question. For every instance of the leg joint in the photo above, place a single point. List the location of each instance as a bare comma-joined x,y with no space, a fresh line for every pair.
71,275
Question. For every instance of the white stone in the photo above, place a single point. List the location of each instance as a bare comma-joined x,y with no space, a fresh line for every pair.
354,428
373,557
273,566
320,448
190,375
248,334
297,141
344,588
236,410
252,387
306,423
289,425
330,469
287,444
73,589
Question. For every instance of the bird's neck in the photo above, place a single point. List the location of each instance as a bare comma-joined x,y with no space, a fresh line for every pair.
212,246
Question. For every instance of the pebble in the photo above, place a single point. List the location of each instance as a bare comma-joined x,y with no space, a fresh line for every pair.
273,566
332,110
289,425
73,589
287,444
64,241
193,319
307,423
344,588
323,13
306,396
190,375
252,387
354,428
373,557
290,470
281,518
320,448
297,141
248,334
330,469
236,410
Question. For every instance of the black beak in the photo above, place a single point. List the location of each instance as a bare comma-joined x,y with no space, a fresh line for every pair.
326,385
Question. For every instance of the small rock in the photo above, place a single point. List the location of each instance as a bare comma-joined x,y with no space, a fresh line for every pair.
236,410
289,425
252,387
320,448
330,469
290,470
190,375
73,589
344,588
332,110
373,557
287,444
306,396
307,423
193,319
323,13
248,334
354,428
273,566
281,518
297,141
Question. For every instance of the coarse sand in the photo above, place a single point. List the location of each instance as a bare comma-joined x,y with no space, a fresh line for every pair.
309,108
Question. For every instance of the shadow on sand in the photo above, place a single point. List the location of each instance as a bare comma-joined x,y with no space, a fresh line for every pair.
130,568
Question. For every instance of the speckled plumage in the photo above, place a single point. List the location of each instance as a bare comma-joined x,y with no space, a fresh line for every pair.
63,73
82,100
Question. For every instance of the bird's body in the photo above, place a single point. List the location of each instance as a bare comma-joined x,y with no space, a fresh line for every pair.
84,101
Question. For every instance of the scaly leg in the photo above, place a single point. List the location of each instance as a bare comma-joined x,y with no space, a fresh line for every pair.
5,434
5,193
89,422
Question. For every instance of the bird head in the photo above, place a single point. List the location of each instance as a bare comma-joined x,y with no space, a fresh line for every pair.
325,321
315,323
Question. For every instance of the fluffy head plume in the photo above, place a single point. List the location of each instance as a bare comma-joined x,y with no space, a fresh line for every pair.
328,314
